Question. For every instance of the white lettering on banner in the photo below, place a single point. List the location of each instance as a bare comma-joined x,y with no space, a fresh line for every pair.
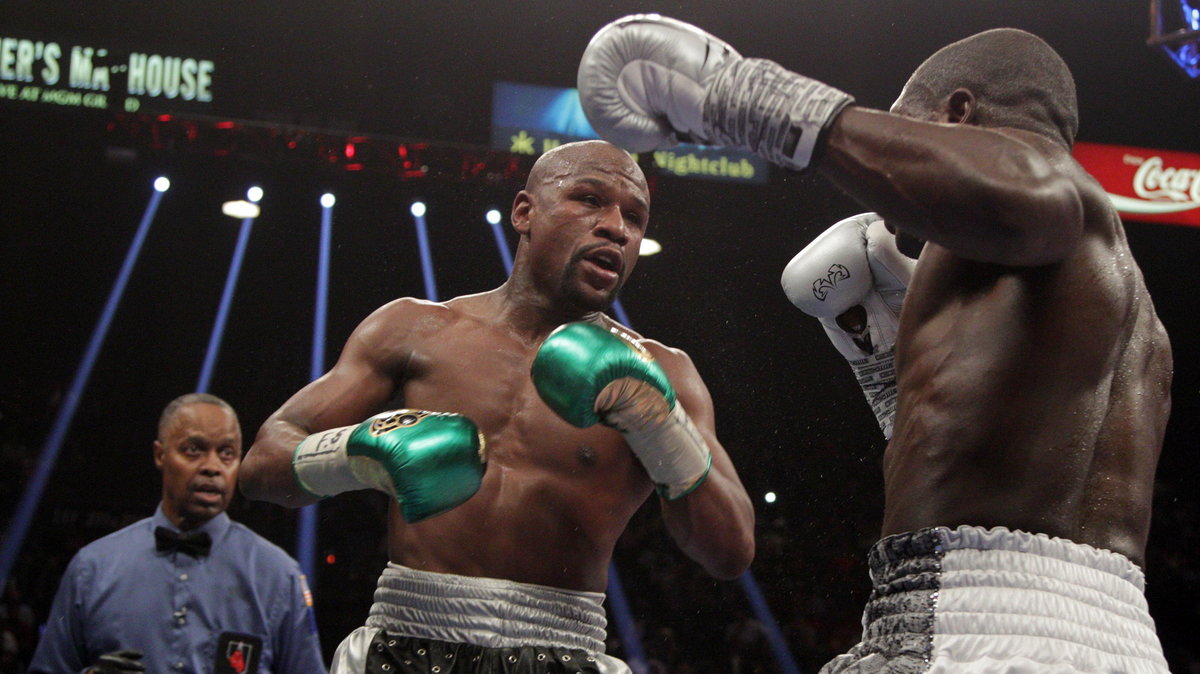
1156,182
84,74
170,77
81,75
52,71
18,59
8,56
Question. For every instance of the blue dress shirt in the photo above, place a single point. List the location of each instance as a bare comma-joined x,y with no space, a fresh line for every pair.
246,599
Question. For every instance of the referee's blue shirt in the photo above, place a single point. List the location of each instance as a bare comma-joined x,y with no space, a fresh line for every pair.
245,607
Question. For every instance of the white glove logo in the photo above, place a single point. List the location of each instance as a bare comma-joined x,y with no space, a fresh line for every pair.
822,286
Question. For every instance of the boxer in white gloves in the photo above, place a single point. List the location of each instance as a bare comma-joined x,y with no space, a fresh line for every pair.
852,279
1033,375
501,567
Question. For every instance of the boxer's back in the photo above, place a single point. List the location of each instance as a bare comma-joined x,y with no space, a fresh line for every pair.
1032,398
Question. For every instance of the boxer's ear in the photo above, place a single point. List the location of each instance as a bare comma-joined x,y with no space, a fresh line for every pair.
522,204
961,107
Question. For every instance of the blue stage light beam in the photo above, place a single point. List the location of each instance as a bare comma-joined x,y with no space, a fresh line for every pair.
321,310
758,603
493,218
620,312
218,331
626,626
18,528
631,643
306,523
418,212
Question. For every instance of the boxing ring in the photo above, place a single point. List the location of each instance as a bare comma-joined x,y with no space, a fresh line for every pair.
307,525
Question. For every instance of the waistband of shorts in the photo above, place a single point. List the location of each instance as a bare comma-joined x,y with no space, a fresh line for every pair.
906,552
968,596
486,611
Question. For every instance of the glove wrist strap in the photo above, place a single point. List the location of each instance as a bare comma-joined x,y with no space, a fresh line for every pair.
779,115
876,375
674,454
322,466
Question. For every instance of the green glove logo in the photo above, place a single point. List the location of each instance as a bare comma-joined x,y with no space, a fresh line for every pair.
397,419
642,352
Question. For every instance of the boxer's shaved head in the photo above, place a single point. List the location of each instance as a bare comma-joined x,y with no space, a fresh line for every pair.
564,160
1017,79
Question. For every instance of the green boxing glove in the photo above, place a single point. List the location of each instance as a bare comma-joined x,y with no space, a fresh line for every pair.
429,461
588,374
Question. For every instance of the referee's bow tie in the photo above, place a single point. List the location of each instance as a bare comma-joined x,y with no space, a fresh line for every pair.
194,543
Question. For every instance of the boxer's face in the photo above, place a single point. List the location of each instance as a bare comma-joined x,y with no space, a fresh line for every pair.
586,223
199,455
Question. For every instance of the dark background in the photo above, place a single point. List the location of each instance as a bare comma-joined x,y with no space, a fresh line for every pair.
788,409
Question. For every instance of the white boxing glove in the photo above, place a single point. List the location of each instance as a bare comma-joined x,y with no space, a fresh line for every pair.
852,278
648,81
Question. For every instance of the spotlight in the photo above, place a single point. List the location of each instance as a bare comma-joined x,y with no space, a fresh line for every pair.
328,200
418,209
254,194
769,497
162,184
493,217
240,209
649,247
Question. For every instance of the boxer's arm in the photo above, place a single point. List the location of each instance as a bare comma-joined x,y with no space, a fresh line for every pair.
361,382
714,524
648,81
985,194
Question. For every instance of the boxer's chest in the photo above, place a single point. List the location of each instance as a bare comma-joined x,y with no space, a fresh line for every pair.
485,375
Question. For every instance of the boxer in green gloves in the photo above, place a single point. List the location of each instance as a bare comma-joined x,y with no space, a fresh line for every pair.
428,462
500,566
588,374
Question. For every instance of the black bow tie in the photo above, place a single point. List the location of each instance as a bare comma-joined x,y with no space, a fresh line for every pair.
194,543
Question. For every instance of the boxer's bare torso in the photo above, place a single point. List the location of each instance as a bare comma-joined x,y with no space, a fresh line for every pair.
554,498
1033,398
1034,375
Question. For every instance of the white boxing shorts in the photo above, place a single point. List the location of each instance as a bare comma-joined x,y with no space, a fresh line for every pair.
994,600
423,621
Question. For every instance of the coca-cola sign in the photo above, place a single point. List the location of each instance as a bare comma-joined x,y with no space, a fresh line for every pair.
1144,184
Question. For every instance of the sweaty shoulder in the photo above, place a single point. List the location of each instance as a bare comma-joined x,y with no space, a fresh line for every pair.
1099,216
664,354
675,362
386,335
405,316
